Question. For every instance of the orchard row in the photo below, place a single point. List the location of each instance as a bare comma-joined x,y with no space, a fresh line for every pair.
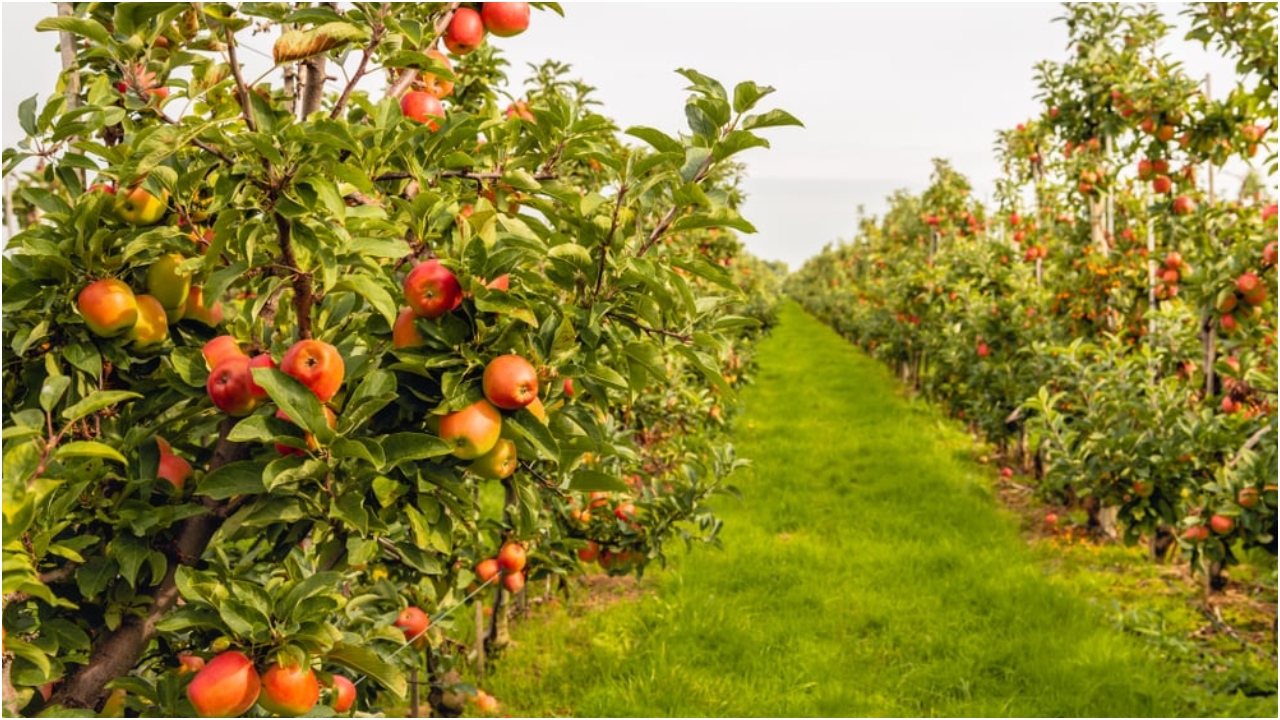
299,376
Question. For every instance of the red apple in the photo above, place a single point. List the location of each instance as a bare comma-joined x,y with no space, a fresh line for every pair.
1183,205
345,693
510,382
414,623
568,388
174,469
512,557
431,290
1161,184
487,570
227,686
317,364
405,334
219,349
465,31
513,582
1248,497
230,387
505,19
473,430
420,106
1221,524
108,306
289,690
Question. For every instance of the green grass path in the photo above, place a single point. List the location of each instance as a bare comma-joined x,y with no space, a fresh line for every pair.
867,572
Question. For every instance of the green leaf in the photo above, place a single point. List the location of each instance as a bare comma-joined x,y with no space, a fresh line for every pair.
94,576
27,115
772,118
529,427
365,661
96,401
747,94
89,449
296,400
238,478
694,158
370,290
400,447
593,480
84,27
658,139
521,180
318,584
55,386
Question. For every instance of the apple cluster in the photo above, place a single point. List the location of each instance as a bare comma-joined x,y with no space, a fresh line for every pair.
111,309
229,685
509,563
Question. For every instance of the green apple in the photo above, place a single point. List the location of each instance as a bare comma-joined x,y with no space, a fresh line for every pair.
139,207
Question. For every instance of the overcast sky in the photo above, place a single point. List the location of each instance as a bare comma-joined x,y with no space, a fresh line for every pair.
882,89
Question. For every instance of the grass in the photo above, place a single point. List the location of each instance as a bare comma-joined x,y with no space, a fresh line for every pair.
867,572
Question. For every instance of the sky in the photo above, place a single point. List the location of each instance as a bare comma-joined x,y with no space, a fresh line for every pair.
882,88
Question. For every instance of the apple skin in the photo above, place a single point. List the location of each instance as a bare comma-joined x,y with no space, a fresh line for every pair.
568,388
1161,184
1221,524
502,282
434,84
1248,498
346,693
487,570
465,32
473,430
421,106
512,557
219,349
505,19
289,691
498,463
405,334
589,553
510,382
513,582
431,290
230,387
316,364
227,686
174,469
167,285
139,207
195,309
413,622
108,306
152,327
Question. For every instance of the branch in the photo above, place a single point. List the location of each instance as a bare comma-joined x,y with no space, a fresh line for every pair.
302,289
684,339
67,44
407,77
378,31
1249,444
465,174
199,143
119,651
313,87
608,240
242,90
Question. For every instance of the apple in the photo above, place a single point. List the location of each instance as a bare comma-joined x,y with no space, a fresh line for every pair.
230,387
419,105
1051,519
345,691
1183,205
465,31
510,382
486,703
487,570
188,663
262,360
174,469
1145,170
589,553
289,690
983,350
1196,533
505,19
498,463
1229,405
473,430
1170,277
219,349
512,557
1248,498
502,282
568,388
432,290
520,109
1247,283
168,285
195,309
108,307
414,623
513,582
1161,184
1228,323
1269,254
405,334
227,686
152,327
434,84
317,364
1173,260
139,207
1221,524
1006,472
329,417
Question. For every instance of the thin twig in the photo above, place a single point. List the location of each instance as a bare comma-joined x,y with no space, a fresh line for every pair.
407,77
684,339
608,240
246,108
378,31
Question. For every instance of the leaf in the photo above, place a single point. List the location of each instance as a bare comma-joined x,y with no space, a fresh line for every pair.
746,94
238,478
694,158
296,400
366,662
772,118
658,139
400,447
293,45
370,290
27,115
593,480
55,386
96,401
89,449
84,27
648,356
529,427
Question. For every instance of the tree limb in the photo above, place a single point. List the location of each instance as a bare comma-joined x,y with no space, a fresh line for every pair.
302,287
242,90
378,31
407,77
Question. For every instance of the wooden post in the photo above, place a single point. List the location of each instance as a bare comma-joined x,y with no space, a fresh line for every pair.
415,704
480,659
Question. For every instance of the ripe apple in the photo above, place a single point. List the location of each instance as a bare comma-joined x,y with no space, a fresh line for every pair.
473,430
498,463
230,387
1196,533
317,365
1228,323
1247,283
188,663
568,388
589,553
167,285
1051,519
1248,498
513,582
108,307
486,703
465,31
1269,254
1221,524
1183,205
1161,184
195,309
510,382
345,692
420,106
434,84
329,417
139,207
983,350
405,334
175,469
1170,277
625,511
1229,405
487,570
432,290
152,327
505,19
512,557
520,109
1173,260
1145,170
414,623
227,686
289,690
1006,472
219,349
